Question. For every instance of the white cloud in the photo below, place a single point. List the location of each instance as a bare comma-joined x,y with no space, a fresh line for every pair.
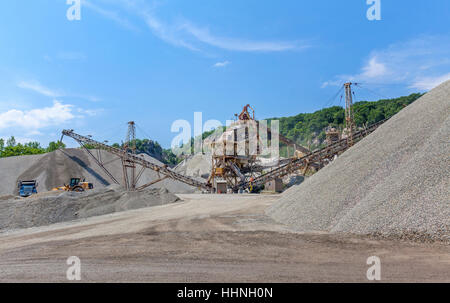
35,119
222,64
89,112
420,63
166,33
112,15
428,83
205,36
193,37
34,133
374,69
38,88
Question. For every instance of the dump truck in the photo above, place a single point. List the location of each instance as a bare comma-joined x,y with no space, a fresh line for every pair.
76,185
27,188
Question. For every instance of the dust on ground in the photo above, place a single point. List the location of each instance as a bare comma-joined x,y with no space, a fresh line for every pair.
209,238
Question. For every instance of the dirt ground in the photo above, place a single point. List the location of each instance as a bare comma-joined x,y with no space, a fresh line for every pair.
209,238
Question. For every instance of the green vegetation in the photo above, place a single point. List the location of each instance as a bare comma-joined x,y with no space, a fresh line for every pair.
154,149
11,148
149,147
309,129
305,129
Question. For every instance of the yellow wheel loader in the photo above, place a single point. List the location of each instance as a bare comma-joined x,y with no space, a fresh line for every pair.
76,185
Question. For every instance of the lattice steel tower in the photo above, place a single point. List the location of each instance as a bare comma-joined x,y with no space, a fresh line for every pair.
128,163
349,115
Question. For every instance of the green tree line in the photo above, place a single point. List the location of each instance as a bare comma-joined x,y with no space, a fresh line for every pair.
11,148
308,129
155,150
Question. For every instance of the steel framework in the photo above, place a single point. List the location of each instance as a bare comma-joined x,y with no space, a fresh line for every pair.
127,156
236,170
318,158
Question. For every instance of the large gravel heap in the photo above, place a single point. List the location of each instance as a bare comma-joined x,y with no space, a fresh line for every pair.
197,165
394,183
54,207
56,168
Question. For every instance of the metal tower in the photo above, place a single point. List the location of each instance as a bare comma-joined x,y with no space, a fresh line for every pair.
349,116
128,163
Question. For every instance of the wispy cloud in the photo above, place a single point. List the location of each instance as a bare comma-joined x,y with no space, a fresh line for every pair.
420,63
204,35
38,88
222,64
427,83
112,15
89,112
193,37
374,69
36,119
169,34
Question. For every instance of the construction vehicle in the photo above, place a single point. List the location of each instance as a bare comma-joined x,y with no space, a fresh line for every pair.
76,185
27,188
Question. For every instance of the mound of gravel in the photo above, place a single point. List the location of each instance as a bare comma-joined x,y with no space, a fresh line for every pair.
394,183
56,168
54,207
197,165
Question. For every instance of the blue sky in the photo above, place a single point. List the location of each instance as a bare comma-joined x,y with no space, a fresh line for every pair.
158,61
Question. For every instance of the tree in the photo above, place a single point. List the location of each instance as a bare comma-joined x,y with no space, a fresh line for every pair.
20,150
2,145
52,146
35,145
11,142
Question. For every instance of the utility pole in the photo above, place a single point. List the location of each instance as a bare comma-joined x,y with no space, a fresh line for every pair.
130,145
349,116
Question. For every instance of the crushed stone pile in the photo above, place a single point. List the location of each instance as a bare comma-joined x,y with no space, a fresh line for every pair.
394,183
56,168
198,165
54,207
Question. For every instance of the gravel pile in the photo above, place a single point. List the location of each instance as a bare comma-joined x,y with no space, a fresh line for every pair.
54,207
395,183
56,168
197,165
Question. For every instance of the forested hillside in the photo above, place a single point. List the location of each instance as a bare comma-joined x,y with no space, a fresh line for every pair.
306,129
309,128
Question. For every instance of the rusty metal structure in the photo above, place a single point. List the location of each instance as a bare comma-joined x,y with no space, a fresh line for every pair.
234,154
128,165
333,135
128,157
318,159
233,159
245,114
